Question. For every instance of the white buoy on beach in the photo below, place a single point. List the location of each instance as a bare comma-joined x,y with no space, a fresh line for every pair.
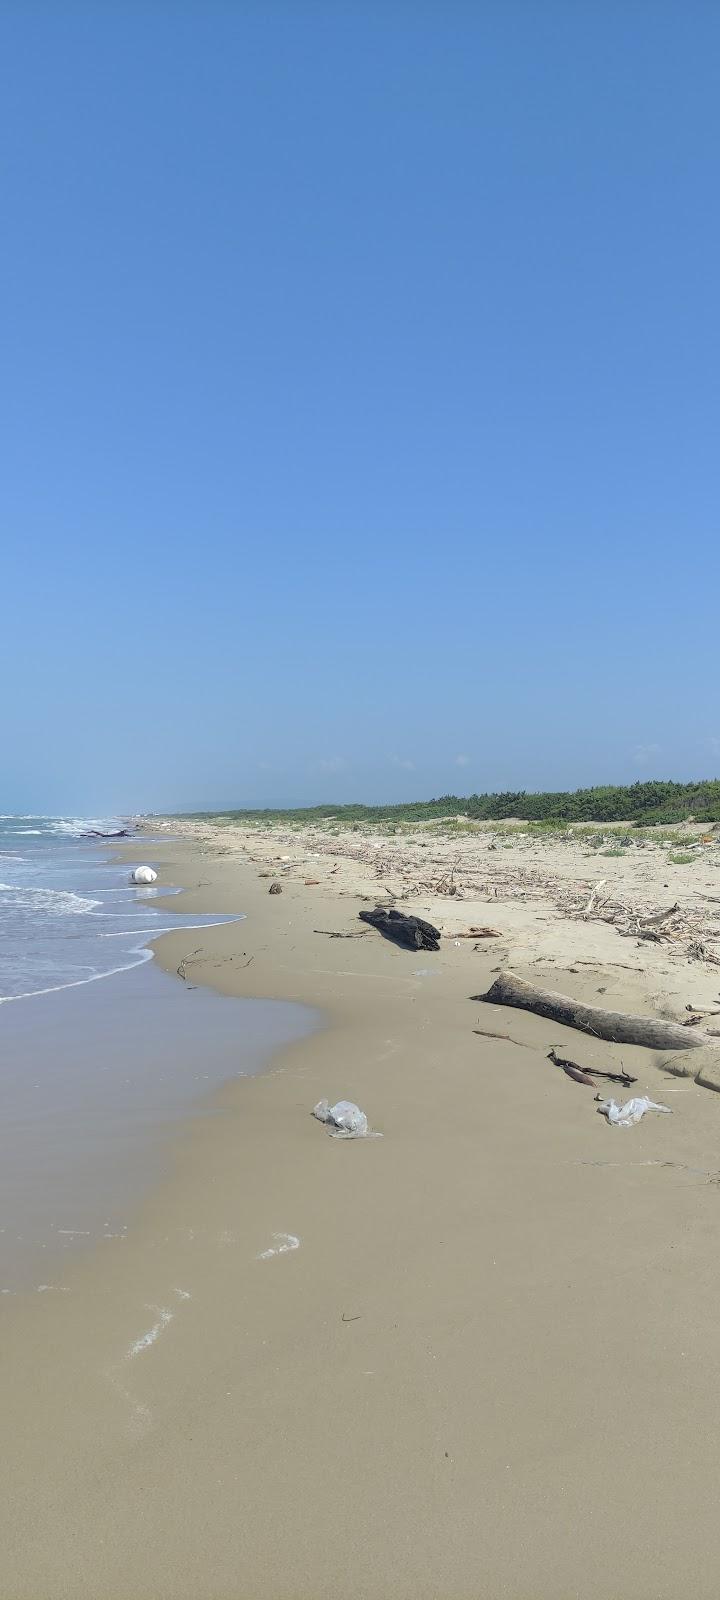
144,875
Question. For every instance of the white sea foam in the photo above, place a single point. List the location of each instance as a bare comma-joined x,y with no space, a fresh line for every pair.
76,983
54,902
187,927
285,1242
74,827
153,1333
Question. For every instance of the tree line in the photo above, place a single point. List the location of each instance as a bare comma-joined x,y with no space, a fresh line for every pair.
646,803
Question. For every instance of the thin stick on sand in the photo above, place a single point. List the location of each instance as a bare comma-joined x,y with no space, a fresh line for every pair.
486,1034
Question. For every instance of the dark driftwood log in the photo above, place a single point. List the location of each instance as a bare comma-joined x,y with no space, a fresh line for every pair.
411,932
617,1026
117,833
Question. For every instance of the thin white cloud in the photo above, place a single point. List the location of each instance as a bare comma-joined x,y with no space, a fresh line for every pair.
462,761
712,745
399,761
332,764
646,753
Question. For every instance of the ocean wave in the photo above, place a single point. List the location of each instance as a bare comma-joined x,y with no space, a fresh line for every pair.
76,826
182,927
56,902
77,983
141,953
72,827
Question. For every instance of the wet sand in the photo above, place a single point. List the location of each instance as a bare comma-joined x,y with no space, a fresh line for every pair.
473,1357
95,1082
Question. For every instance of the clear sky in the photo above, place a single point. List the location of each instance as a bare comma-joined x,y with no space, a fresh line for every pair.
360,398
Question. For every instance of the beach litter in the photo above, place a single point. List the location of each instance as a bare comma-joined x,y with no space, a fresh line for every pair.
344,1120
632,1111
275,888
144,875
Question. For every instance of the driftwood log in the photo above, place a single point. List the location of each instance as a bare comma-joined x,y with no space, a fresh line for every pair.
617,1026
117,833
411,932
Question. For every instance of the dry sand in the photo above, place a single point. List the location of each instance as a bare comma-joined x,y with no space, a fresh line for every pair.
479,1364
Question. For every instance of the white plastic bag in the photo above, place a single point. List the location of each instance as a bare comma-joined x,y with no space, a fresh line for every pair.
631,1112
144,875
344,1120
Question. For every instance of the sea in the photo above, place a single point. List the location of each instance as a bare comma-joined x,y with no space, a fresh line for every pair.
102,1054
67,917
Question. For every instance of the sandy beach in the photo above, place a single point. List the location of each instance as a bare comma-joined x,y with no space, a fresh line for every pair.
472,1358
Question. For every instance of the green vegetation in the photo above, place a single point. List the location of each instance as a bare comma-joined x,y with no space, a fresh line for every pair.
638,803
681,861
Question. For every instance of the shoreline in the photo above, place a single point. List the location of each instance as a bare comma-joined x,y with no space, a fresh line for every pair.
465,1328
99,1078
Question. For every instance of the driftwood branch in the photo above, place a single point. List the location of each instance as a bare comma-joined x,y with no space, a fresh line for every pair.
593,898
182,969
189,961
698,951
572,1068
660,916
617,1026
583,1075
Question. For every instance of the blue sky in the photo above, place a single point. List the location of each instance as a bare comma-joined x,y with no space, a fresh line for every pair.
360,402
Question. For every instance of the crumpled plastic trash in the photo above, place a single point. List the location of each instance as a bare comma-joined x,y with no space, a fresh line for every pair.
631,1112
344,1120
144,875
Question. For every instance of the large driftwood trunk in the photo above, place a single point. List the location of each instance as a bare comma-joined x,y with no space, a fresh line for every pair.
617,1026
